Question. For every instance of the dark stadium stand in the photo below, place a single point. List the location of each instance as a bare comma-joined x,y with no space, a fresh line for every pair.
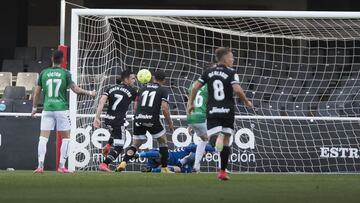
13,66
13,92
22,106
46,53
26,54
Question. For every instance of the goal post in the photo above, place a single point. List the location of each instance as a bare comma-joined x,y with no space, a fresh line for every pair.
300,69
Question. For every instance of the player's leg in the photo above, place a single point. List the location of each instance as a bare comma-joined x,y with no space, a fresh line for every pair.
213,130
227,131
158,132
164,152
200,130
106,149
118,132
130,153
47,124
63,126
139,138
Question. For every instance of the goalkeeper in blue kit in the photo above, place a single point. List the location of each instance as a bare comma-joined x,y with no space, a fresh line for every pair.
181,160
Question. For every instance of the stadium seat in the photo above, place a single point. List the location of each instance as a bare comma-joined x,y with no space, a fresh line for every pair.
22,106
268,109
5,80
46,53
13,66
27,80
297,109
38,66
282,95
26,54
6,105
14,92
327,109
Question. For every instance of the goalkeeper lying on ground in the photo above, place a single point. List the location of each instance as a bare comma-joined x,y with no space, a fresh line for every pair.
181,160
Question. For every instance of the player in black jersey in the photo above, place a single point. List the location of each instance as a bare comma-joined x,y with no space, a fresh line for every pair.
222,82
119,97
152,98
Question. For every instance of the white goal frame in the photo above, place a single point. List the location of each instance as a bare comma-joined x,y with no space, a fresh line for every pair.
191,13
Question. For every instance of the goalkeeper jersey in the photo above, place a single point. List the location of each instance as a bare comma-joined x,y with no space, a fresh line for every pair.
198,115
55,81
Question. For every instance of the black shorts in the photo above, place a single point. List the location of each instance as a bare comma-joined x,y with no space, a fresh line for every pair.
118,133
156,130
220,125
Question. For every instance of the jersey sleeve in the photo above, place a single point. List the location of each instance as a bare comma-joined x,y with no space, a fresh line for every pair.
106,92
69,80
205,89
204,78
235,78
165,95
39,82
134,94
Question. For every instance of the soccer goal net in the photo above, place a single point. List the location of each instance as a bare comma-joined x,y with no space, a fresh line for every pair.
300,69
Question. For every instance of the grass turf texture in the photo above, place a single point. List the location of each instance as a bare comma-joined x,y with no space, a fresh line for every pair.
23,186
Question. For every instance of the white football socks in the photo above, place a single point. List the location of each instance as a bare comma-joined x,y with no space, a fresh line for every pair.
64,152
200,149
42,150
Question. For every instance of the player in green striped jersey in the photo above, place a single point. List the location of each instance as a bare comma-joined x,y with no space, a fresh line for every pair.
54,81
197,122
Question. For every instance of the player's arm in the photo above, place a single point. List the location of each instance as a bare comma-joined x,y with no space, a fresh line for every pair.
99,109
166,112
135,104
240,92
235,82
194,91
78,90
37,92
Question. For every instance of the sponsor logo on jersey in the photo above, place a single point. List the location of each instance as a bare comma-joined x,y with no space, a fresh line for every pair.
107,116
219,110
142,116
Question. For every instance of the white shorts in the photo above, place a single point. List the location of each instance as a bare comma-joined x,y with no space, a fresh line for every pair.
199,128
59,118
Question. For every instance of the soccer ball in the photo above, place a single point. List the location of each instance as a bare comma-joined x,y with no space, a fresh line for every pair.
144,76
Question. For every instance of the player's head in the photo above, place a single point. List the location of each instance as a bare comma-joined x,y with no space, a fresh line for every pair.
224,56
57,57
159,77
127,77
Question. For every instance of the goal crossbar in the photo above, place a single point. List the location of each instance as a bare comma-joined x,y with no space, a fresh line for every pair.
217,13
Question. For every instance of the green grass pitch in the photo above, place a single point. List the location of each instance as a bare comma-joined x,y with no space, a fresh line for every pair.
23,186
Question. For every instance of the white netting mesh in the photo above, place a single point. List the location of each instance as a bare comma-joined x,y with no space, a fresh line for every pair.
287,66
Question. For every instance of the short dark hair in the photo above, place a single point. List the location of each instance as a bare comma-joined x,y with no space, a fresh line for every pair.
221,52
124,75
57,57
159,75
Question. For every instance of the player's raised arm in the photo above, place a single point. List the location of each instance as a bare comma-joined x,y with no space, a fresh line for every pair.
99,109
76,89
194,90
